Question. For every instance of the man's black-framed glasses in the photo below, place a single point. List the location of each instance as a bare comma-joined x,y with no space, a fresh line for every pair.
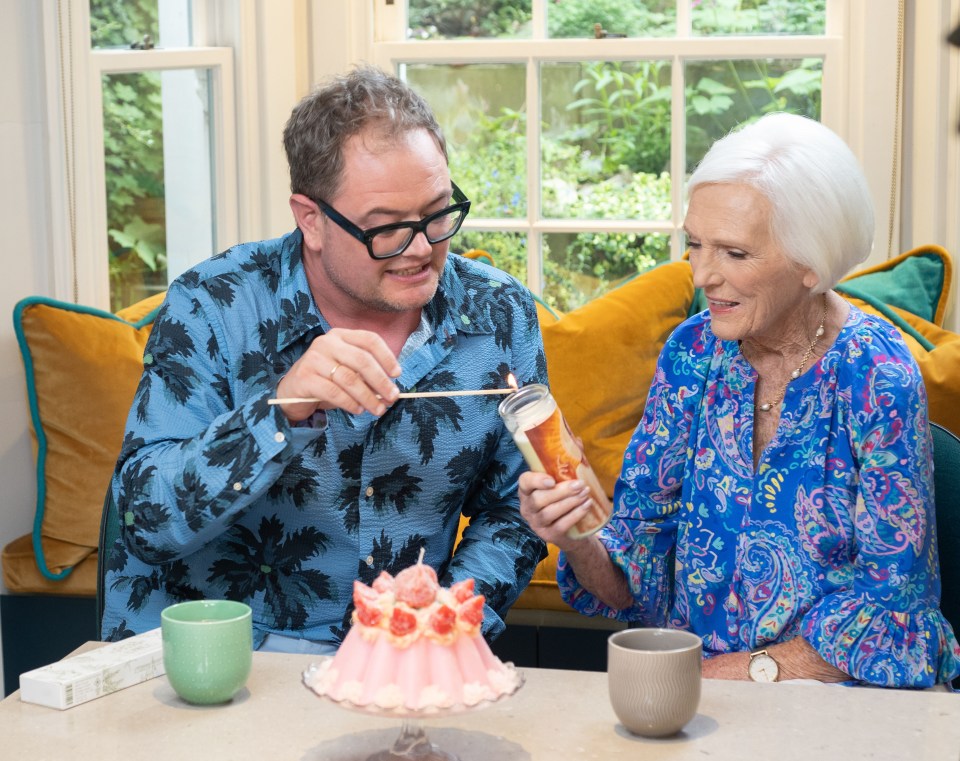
386,241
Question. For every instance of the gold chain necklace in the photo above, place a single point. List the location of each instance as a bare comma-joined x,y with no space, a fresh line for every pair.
767,406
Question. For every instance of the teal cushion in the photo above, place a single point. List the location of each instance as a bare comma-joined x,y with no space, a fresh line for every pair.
914,281
946,474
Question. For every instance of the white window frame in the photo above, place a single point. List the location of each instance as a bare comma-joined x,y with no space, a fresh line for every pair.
80,267
857,102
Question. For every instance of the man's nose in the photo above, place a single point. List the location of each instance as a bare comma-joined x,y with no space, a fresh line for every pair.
419,244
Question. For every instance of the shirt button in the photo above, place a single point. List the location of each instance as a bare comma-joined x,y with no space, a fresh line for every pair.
237,486
369,491
278,437
369,561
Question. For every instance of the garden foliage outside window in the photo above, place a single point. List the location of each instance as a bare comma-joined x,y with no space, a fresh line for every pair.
590,198
157,122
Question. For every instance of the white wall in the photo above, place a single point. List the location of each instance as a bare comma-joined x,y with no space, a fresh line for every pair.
931,168
25,252
23,198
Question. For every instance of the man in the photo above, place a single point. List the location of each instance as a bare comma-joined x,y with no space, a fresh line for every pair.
283,506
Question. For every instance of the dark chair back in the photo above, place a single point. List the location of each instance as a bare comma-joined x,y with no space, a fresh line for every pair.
109,531
946,483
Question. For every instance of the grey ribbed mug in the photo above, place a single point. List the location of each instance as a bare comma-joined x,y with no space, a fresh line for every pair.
653,676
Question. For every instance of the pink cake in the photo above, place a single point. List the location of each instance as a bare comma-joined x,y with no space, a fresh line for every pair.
414,646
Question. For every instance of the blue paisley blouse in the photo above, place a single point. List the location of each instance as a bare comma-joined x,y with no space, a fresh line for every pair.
831,537
219,496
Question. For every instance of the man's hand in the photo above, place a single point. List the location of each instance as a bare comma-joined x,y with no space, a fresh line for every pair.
352,370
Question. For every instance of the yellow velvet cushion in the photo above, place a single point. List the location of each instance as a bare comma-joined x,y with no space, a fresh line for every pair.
601,359
82,368
22,576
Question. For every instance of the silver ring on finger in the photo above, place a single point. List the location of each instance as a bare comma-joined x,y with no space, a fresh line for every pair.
334,371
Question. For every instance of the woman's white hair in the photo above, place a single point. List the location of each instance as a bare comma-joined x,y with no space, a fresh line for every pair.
821,211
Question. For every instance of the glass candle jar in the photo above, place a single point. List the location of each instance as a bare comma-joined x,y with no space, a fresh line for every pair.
548,445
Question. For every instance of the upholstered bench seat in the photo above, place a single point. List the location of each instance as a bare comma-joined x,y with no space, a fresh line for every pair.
82,367
22,576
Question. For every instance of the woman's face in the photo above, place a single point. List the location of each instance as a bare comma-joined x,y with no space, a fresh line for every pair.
753,289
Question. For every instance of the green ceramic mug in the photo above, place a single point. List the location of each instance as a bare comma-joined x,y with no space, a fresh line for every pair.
207,648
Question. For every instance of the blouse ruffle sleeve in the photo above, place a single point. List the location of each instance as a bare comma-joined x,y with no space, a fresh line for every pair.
641,537
877,645
885,627
644,551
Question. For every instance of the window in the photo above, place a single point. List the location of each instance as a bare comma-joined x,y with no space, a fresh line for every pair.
572,124
151,185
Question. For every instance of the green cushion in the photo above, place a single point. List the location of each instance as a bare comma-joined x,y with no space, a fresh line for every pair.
946,474
917,281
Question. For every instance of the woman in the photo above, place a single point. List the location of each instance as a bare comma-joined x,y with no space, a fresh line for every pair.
776,498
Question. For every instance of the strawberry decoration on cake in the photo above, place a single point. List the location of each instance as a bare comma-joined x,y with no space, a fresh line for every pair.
414,646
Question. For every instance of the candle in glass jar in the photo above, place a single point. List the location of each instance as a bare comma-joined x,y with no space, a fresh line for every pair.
548,445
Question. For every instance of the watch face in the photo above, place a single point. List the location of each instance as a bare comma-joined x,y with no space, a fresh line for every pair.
763,668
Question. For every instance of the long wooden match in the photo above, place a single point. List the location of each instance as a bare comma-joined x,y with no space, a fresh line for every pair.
410,395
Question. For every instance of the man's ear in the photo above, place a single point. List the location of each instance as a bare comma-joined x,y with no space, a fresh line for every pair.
308,218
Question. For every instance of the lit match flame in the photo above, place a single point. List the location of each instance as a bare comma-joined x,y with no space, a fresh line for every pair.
512,382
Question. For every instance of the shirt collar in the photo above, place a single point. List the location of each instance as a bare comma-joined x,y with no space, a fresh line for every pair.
455,308
299,315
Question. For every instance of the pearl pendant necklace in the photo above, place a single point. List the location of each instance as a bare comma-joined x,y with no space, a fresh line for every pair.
821,329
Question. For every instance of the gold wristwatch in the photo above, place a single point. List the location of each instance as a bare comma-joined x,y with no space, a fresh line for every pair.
762,667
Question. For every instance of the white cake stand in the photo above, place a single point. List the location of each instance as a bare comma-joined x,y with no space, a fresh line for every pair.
412,744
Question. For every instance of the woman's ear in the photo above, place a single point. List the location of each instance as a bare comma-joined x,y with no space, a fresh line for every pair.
810,279
309,219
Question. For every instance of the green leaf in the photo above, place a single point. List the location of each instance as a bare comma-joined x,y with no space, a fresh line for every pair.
713,87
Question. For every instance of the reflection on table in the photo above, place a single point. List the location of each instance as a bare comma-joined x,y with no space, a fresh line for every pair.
556,715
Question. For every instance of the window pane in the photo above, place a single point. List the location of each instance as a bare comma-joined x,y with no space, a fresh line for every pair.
458,19
606,140
508,250
140,23
481,108
157,138
611,18
722,94
757,16
578,267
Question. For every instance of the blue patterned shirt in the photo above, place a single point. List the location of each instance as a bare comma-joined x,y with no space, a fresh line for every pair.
831,537
219,496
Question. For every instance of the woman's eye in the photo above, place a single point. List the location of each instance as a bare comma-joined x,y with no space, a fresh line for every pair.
736,254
